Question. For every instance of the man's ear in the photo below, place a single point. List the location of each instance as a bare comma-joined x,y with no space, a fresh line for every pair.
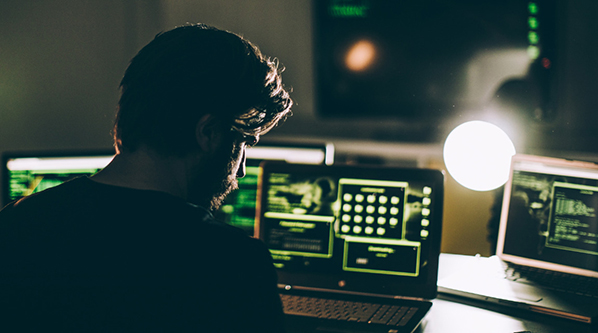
208,133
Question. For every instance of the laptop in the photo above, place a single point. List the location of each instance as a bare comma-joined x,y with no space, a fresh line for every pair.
548,242
352,236
238,209
25,173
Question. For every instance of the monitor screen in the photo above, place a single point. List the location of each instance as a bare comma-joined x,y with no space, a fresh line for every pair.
238,208
28,173
549,215
426,60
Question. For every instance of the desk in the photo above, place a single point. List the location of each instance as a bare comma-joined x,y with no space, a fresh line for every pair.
453,314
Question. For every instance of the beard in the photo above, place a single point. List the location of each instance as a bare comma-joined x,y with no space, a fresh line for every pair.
216,179
225,187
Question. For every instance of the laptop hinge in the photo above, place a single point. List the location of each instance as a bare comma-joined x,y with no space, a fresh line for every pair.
347,292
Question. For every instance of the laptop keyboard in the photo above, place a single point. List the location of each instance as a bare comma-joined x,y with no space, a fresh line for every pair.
371,313
574,284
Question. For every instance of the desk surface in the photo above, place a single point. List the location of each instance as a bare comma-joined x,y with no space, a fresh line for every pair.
454,314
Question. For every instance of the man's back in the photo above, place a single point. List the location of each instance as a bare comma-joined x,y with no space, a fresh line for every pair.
86,256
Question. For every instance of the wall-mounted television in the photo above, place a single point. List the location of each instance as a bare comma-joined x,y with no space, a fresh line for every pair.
424,61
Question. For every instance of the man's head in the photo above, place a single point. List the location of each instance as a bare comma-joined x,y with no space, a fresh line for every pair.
192,82
191,71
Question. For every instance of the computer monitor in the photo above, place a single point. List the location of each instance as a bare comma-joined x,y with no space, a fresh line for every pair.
25,173
239,207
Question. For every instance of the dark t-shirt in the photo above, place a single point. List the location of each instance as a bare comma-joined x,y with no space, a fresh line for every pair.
89,257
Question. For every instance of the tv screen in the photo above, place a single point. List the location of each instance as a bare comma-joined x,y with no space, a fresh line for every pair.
424,61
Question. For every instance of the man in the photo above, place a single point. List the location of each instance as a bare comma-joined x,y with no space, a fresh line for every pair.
134,248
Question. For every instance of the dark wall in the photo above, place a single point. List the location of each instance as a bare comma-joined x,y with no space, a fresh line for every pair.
576,126
60,63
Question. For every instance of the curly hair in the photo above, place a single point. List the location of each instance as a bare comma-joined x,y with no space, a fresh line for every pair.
188,72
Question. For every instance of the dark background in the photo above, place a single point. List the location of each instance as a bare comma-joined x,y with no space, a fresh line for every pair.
61,62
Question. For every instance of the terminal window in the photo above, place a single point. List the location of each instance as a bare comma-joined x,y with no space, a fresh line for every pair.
573,224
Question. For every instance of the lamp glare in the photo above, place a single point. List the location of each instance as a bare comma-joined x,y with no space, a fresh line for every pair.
478,154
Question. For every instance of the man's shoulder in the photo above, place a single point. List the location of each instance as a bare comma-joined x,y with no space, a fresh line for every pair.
43,200
230,236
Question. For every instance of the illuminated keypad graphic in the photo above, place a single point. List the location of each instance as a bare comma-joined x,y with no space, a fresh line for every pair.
372,208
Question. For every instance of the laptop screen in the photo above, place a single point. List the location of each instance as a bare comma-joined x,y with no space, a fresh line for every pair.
549,215
238,208
353,228
28,173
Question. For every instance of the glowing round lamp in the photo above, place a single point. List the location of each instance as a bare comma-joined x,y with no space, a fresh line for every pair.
478,155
